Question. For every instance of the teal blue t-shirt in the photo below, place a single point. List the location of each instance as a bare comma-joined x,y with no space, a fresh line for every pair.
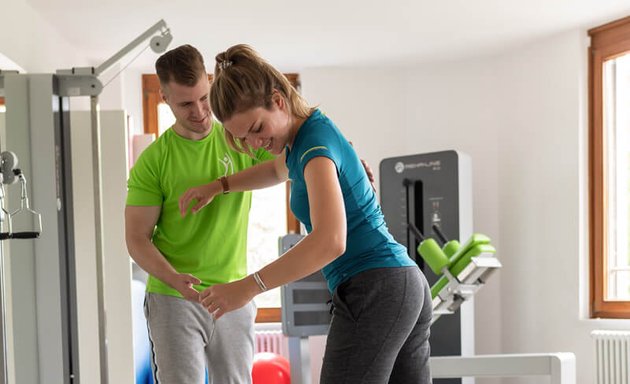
369,244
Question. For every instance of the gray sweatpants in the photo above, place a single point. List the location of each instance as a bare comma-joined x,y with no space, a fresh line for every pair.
185,339
380,329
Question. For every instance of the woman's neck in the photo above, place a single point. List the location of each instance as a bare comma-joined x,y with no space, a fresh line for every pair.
296,123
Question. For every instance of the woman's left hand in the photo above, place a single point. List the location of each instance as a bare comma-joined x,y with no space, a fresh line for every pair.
222,298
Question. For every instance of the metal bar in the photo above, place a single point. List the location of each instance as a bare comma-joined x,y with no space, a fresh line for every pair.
98,236
560,367
148,33
300,360
3,311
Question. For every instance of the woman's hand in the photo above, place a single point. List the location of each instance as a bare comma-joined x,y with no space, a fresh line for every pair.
222,298
203,194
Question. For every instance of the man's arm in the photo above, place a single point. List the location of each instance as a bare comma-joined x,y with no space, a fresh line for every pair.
139,225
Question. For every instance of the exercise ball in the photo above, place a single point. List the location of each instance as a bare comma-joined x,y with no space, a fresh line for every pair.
270,368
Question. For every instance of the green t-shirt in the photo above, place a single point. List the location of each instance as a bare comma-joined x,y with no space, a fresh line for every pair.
211,244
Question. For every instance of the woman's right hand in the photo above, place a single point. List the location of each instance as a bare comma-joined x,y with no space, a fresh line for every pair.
203,194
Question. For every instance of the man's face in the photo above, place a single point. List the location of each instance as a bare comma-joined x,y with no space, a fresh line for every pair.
191,108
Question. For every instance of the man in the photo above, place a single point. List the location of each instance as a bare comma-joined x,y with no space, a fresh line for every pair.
185,256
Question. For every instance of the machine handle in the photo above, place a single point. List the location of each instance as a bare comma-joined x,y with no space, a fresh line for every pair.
25,235
439,234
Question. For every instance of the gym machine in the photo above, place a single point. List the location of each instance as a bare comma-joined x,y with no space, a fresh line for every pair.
28,225
421,194
38,130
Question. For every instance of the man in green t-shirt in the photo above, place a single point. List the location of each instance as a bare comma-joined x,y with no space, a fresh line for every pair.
183,256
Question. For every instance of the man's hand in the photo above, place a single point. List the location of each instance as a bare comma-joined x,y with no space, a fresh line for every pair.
368,171
370,174
183,283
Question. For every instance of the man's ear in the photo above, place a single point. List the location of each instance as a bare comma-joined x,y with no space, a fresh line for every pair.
163,96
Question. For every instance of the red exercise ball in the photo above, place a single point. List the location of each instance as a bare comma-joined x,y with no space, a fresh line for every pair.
270,368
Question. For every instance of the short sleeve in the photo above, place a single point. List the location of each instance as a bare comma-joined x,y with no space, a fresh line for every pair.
320,142
143,186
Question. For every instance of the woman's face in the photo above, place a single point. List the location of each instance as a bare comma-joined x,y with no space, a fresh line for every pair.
259,127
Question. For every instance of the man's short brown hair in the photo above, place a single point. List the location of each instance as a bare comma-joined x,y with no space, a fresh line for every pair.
183,65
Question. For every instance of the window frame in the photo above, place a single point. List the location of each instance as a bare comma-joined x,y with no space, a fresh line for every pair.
607,42
150,101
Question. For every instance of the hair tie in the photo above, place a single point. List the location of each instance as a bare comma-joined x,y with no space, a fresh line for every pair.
224,64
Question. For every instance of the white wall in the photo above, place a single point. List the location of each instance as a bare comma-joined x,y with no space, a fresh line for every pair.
542,200
32,42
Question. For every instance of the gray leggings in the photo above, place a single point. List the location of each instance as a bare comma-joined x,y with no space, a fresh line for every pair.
185,339
380,329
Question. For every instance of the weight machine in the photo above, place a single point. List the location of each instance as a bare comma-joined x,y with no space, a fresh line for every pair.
38,121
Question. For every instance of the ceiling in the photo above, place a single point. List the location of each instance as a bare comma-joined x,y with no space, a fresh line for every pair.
297,34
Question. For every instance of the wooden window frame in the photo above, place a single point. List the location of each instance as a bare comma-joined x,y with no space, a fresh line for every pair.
607,42
150,101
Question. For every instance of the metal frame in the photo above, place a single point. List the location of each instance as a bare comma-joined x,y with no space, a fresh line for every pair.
559,367
38,117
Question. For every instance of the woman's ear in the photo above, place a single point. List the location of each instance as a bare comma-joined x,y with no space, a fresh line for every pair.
277,99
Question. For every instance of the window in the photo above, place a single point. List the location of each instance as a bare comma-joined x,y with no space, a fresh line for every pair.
265,226
609,173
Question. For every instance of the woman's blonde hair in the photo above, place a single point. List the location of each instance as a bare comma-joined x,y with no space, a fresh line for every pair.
243,80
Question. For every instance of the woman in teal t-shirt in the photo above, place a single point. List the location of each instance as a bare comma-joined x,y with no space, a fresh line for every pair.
382,304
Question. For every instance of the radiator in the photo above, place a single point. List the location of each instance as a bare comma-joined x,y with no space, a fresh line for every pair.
612,357
271,341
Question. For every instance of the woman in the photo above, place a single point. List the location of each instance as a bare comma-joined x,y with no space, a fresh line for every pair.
382,304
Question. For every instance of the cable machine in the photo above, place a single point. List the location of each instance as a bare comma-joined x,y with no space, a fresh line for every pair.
38,131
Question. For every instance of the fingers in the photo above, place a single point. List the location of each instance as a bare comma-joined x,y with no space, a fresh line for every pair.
193,296
218,313
206,299
193,280
183,203
189,196
368,170
212,307
213,304
190,293
198,206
